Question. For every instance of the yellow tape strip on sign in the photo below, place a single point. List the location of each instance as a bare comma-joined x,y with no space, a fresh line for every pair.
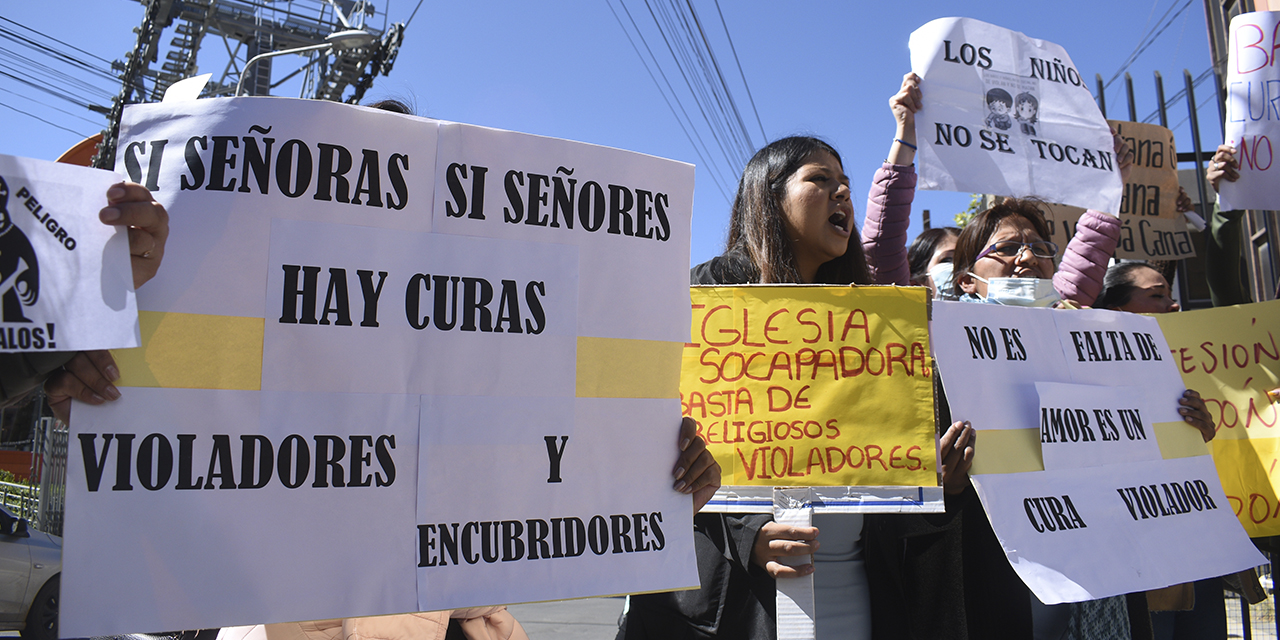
1007,451
1018,450
194,351
621,368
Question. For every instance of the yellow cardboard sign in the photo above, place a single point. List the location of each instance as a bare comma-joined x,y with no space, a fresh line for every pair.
1231,355
812,386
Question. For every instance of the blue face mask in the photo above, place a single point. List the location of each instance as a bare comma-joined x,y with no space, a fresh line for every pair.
941,275
1020,292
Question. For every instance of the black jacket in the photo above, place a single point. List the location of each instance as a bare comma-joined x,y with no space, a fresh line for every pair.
737,599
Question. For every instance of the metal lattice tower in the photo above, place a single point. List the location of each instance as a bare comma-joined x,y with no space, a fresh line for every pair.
246,28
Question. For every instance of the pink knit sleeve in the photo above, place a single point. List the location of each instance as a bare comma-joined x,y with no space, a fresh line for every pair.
1084,263
884,233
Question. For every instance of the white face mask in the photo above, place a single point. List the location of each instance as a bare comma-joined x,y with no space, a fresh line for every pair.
941,275
1020,292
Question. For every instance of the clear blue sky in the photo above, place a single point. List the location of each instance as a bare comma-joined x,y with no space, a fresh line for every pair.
566,69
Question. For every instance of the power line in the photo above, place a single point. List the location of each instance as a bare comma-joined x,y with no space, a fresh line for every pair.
711,169
49,106
36,68
55,40
61,56
705,153
715,64
27,113
1148,39
53,92
717,134
689,48
1205,75
750,99
415,12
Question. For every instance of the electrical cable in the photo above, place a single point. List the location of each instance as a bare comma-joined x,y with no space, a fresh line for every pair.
1148,40
711,166
49,106
55,40
707,164
733,105
745,85
27,113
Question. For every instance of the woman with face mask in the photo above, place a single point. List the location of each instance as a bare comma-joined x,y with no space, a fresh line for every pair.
946,575
1003,256
930,260
1010,244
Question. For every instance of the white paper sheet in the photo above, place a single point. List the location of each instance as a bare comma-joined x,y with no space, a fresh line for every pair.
1009,115
1095,519
309,297
1253,113
65,278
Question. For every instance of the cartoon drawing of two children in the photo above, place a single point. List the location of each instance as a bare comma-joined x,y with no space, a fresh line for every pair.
1025,108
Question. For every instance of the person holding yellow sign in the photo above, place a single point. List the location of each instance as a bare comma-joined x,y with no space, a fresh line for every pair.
792,223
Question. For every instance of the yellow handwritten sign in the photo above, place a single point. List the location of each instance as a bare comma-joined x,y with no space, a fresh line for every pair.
812,386
1231,355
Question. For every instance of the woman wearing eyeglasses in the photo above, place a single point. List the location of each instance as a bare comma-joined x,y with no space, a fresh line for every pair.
1004,247
945,575
1003,257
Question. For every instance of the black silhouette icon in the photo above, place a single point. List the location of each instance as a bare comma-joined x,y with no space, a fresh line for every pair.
19,271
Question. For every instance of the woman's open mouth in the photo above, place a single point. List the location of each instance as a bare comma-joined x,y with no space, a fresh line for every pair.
840,220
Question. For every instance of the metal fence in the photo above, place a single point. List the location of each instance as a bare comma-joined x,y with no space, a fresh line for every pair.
19,498
1257,621
49,473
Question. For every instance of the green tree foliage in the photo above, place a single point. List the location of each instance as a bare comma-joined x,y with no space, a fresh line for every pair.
975,204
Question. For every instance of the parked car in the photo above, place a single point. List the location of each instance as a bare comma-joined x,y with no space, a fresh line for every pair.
30,572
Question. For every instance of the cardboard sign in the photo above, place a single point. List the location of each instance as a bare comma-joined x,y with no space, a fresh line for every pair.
1089,475
1009,115
65,279
1253,115
1152,228
1141,238
1231,355
814,387
1152,189
390,365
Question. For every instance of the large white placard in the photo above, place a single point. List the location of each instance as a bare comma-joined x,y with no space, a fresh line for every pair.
65,281
351,402
1009,115
1090,477
1253,113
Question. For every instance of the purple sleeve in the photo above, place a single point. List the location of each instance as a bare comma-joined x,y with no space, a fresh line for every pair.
884,233
1084,263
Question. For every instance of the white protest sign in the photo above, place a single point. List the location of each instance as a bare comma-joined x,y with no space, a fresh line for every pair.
1009,115
1085,425
1253,114
65,279
348,403
1090,477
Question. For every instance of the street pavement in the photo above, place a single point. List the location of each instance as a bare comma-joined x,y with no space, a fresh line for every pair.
586,619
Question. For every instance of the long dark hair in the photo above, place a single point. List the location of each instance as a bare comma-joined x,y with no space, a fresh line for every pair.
973,239
757,228
923,248
1117,285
